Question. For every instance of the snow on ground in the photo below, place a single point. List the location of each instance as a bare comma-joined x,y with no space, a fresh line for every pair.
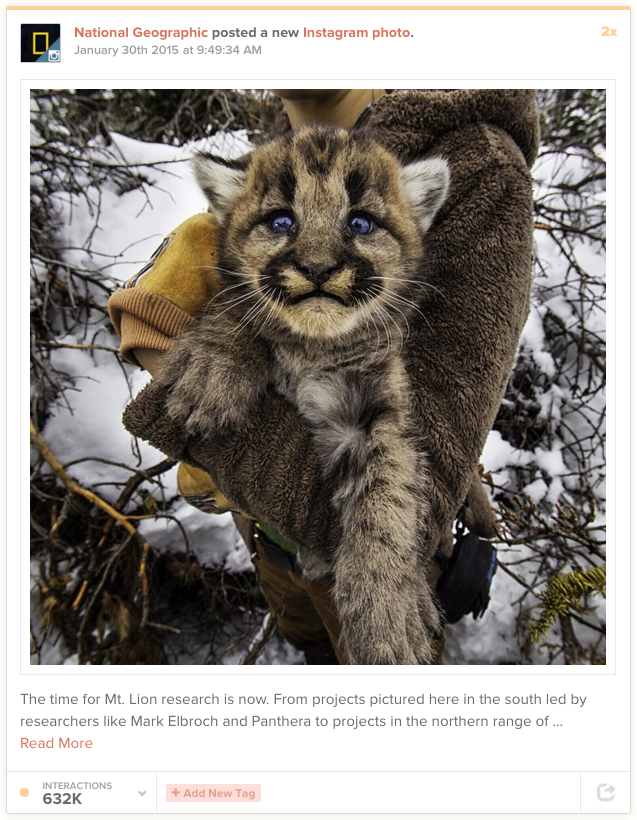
130,227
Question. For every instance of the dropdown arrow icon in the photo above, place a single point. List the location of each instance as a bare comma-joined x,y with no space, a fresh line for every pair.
142,793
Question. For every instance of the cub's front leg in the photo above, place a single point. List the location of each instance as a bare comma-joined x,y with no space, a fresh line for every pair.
361,426
216,375
386,608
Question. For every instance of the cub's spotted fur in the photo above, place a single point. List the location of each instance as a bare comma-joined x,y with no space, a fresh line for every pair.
321,269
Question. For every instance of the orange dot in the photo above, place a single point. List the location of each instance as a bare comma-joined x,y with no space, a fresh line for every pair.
24,792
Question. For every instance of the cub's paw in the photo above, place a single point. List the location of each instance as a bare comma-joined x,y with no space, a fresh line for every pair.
210,391
388,633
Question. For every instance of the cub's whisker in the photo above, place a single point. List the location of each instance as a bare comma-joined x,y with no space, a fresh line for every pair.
417,282
406,323
225,270
389,294
387,334
386,313
221,293
274,307
370,318
252,313
239,301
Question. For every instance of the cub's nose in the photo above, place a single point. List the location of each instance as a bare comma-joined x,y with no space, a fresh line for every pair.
318,272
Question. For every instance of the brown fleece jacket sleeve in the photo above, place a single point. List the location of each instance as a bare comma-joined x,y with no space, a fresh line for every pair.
269,469
459,356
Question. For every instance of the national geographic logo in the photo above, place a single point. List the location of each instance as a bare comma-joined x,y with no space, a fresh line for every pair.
40,43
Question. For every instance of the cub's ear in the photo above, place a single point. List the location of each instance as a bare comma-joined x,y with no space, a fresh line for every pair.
223,181
427,184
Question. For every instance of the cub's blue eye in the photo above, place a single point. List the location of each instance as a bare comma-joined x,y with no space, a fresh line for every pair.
359,223
281,223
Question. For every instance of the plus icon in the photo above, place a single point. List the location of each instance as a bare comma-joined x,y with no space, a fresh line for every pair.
175,792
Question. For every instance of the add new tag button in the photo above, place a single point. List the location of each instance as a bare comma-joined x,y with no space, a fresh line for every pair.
213,793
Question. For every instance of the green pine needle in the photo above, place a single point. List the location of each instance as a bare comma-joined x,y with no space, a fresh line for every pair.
563,593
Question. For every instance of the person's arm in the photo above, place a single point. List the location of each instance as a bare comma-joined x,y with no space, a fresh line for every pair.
165,297
459,353
158,304
319,106
149,359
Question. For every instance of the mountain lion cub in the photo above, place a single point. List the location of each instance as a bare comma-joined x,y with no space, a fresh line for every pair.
320,264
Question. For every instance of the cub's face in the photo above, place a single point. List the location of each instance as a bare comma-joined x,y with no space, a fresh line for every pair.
322,232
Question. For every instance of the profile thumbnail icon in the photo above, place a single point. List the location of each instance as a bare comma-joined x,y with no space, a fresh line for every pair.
40,43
